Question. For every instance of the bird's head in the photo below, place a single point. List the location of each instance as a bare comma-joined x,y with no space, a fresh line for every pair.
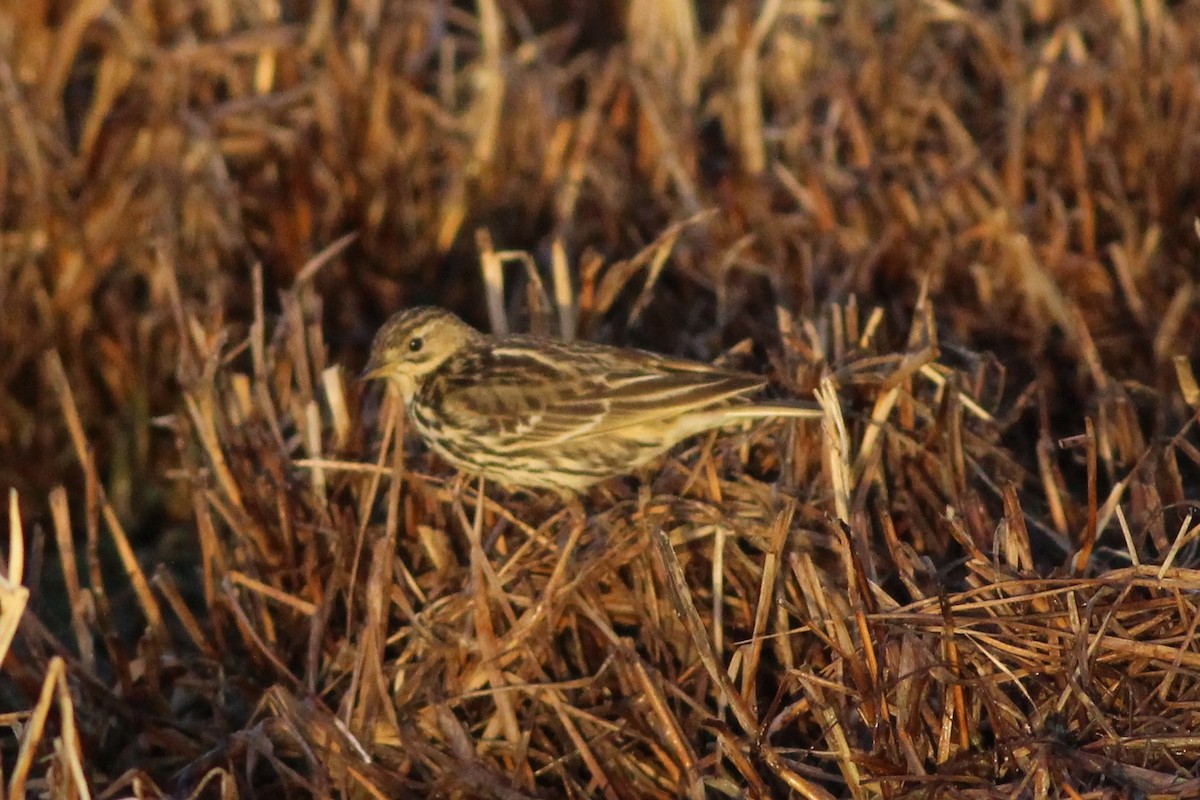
412,344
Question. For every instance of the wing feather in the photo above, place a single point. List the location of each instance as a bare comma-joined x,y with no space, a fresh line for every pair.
519,400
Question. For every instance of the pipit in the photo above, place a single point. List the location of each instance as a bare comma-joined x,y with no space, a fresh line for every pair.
530,412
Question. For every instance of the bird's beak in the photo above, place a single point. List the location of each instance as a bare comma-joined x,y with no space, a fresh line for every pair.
373,369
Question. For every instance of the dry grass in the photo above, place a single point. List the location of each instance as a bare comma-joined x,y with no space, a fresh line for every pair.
968,228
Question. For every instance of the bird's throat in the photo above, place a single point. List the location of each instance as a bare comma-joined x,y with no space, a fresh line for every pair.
406,387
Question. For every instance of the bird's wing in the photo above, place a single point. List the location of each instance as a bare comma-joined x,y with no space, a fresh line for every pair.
534,397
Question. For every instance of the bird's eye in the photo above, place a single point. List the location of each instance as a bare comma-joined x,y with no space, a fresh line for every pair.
415,345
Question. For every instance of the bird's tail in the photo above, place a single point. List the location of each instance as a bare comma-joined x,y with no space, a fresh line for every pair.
760,410
734,415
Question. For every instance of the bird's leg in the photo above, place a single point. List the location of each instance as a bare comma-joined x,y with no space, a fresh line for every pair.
477,526
576,513
454,491
473,525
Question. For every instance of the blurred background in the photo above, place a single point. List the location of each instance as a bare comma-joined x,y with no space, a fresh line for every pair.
1031,164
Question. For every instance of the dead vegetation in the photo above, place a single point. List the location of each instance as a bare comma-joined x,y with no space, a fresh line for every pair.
968,228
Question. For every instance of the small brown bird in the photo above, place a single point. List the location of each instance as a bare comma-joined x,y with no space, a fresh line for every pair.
533,412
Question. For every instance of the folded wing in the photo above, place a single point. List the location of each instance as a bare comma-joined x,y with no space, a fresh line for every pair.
537,398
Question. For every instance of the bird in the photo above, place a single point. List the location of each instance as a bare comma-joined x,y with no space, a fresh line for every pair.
530,412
